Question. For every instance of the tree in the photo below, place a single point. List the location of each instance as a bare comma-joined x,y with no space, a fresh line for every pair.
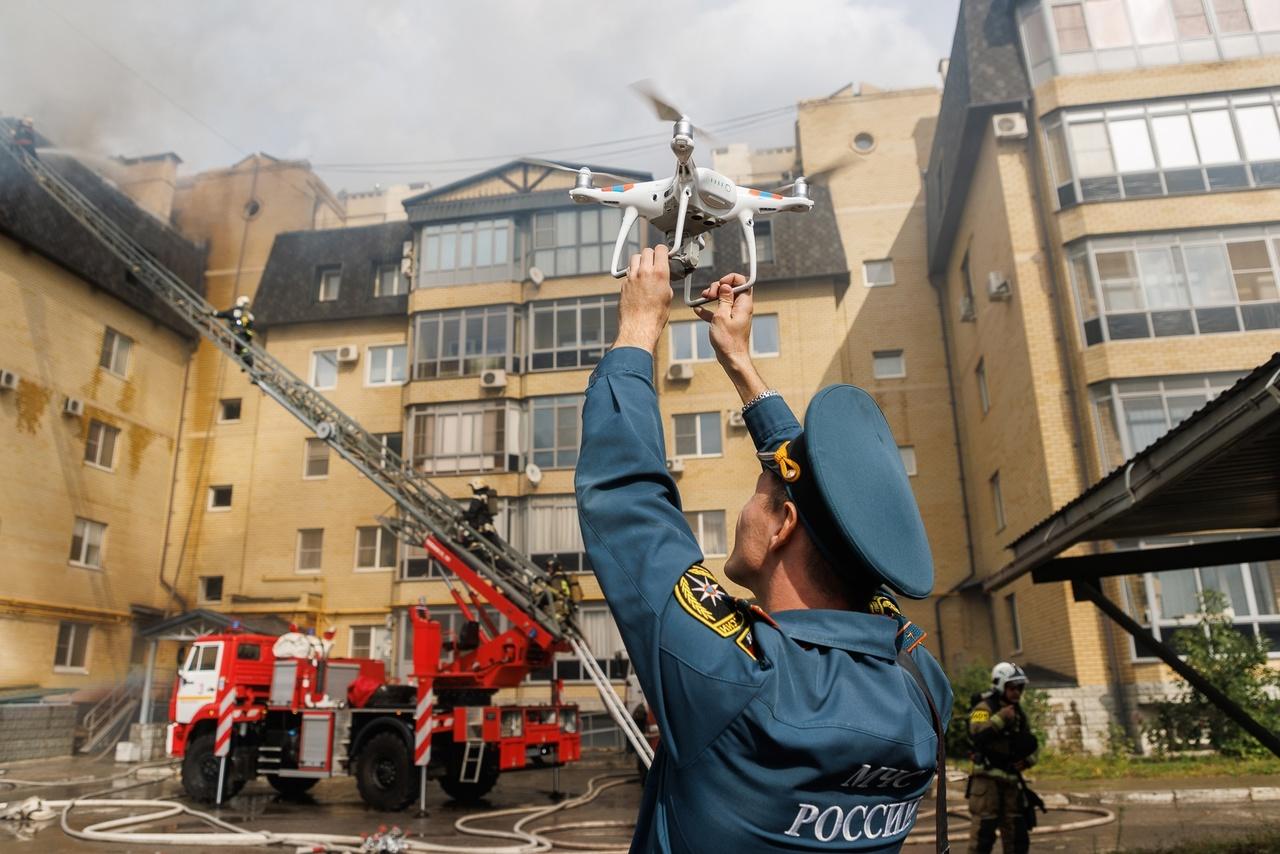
1235,661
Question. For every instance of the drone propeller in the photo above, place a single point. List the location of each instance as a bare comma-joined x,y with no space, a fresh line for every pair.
821,177
664,109
551,164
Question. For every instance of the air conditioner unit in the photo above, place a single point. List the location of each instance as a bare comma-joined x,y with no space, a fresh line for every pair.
998,289
967,312
675,465
73,406
493,378
680,371
8,380
348,353
736,418
1009,125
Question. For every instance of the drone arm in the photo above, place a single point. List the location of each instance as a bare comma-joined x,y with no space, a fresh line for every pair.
747,221
629,215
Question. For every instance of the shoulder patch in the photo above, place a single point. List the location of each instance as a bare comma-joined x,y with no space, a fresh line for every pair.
746,643
979,715
702,597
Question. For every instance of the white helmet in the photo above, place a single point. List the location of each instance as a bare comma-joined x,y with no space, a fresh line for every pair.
478,484
242,301
1007,673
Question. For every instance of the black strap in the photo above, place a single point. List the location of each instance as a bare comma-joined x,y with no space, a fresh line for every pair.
940,821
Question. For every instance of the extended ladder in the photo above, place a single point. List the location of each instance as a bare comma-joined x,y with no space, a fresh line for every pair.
425,511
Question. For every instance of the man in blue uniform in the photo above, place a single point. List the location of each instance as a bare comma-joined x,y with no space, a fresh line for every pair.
800,722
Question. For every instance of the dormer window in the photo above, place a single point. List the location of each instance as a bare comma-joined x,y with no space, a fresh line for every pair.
330,279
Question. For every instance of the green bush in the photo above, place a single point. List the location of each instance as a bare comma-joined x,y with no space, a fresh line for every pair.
974,679
1233,661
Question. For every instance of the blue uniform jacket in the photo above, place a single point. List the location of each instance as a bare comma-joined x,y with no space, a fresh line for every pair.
804,736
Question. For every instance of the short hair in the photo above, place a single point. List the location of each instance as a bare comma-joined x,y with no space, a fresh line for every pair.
856,585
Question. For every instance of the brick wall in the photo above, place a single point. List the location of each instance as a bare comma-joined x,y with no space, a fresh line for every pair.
35,731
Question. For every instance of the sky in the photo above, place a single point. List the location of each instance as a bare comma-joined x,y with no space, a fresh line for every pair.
390,91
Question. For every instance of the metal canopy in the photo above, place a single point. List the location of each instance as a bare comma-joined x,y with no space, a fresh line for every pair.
192,624
1218,470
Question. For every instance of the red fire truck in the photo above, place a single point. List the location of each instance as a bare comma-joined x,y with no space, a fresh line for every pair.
299,719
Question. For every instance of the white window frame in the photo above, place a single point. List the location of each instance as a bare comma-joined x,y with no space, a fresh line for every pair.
297,552
876,355
103,429
204,594
697,520
76,627
555,403
1114,394
324,277
866,278
1015,621
212,491
763,354
85,527
380,535
997,502
465,365
585,355
547,255
386,352
908,455
222,403
401,286
315,363
432,237
307,444
698,434
688,330
475,460
984,390
379,641
116,350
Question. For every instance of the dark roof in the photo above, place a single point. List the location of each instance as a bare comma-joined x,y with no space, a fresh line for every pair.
205,621
289,289
985,75
436,192
30,216
1217,470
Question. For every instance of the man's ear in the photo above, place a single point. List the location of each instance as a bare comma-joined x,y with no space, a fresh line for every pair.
790,521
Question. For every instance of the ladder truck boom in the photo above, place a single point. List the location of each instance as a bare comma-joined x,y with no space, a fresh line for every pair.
427,517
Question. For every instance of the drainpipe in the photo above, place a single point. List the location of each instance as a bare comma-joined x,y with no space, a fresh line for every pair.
173,490
1056,289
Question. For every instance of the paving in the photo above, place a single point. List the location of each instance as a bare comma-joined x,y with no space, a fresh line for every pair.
1148,813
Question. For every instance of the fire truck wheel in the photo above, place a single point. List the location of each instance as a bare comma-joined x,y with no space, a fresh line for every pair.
291,787
200,772
469,793
385,772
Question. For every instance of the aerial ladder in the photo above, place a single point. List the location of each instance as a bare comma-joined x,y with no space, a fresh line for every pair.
426,517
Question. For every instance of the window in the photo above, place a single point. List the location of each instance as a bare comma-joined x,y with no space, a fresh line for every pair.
1015,627
87,542
220,497
546,527
697,434
572,333
708,529
1189,283
888,364
370,642
452,438
908,455
764,243
997,501
765,340
967,305
1068,22
310,547
115,352
386,365
462,252
211,588
72,651
229,410
984,395
329,279
555,430
1161,148
392,443
464,342
578,242
601,634
1131,414
100,444
315,462
375,548
877,273
324,369
1167,602
388,282
248,651
691,341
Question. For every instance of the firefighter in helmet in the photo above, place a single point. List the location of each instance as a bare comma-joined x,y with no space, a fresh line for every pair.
1003,747
481,509
24,136
240,319
568,592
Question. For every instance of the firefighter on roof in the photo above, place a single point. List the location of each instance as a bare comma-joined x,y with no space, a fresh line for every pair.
805,721
1003,747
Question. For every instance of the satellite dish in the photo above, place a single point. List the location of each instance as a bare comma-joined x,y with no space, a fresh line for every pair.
537,276
532,471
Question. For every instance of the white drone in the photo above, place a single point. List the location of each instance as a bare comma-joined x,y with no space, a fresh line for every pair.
689,204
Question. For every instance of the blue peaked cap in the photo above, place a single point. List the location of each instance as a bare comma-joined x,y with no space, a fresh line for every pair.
852,492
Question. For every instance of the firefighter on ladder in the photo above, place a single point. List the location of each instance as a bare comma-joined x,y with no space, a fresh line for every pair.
240,319
24,136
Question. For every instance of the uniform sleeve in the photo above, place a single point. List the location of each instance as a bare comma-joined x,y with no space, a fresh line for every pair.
984,725
642,551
